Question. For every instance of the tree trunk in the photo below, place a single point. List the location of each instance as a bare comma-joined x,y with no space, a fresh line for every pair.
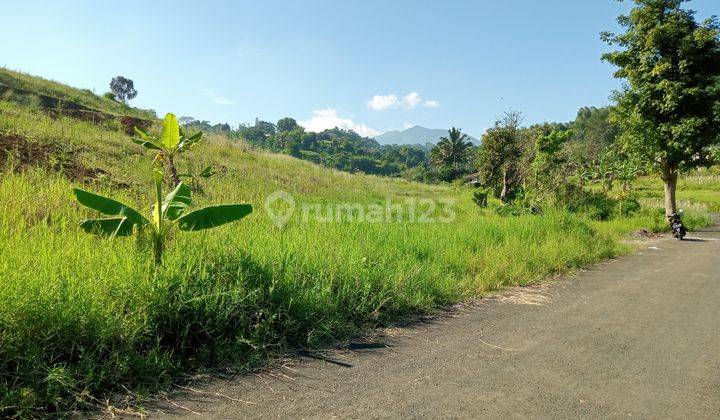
669,177
504,192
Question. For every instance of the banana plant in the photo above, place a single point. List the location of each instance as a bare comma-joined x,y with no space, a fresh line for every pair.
168,213
194,177
603,171
627,171
172,142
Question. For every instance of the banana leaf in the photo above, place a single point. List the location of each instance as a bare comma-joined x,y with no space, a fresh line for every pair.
210,217
108,206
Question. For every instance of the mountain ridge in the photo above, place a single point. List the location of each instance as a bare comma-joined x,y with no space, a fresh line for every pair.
416,135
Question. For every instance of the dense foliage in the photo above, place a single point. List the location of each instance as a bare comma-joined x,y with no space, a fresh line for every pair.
336,148
549,165
451,156
669,109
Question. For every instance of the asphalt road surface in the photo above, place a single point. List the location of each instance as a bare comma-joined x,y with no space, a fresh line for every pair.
638,336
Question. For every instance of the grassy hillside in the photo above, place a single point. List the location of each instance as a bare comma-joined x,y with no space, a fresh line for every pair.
81,317
38,92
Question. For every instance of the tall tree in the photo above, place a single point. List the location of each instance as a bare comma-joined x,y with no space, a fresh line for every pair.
499,155
593,131
548,165
286,124
669,108
452,151
123,88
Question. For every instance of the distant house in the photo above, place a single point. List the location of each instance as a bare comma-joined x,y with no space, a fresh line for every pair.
473,179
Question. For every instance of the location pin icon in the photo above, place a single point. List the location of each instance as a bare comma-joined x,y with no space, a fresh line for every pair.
280,206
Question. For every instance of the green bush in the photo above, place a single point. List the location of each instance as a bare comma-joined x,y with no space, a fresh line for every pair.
480,197
626,206
518,207
595,205
110,96
695,219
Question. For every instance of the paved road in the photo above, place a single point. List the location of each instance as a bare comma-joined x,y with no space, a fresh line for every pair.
639,336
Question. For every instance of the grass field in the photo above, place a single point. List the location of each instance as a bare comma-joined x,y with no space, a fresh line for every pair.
81,317
699,190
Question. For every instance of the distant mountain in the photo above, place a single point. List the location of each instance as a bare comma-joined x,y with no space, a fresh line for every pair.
415,135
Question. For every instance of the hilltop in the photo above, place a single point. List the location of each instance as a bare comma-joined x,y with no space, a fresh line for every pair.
33,91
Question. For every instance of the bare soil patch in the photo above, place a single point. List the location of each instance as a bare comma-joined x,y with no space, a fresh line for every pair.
95,117
130,123
18,154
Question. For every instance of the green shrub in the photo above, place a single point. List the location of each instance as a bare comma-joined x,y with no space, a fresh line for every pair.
594,204
695,219
480,197
626,206
518,207
110,96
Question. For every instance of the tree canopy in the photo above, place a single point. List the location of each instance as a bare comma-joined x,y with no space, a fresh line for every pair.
499,155
452,152
669,108
123,88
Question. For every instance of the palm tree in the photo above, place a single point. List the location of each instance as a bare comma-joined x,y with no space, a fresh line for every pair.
452,151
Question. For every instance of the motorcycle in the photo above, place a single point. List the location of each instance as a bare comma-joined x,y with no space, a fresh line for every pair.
676,224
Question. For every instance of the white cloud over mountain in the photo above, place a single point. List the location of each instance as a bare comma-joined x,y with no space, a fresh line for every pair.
382,102
409,101
324,119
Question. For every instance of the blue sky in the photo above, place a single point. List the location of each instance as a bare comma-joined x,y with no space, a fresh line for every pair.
370,65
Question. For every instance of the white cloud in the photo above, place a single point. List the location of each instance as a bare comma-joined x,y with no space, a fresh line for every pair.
382,102
409,101
408,125
324,119
217,99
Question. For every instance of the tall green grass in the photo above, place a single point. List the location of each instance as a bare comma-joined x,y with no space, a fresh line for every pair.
82,317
